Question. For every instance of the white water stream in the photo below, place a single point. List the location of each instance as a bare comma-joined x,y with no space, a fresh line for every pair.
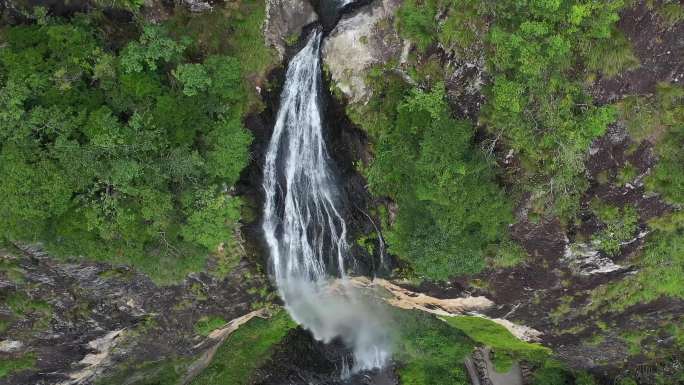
304,227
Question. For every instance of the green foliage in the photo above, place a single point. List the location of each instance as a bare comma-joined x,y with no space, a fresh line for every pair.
211,218
431,352
193,77
627,381
416,20
537,102
118,156
489,333
450,210
208,324
667,177
660,120
620,226
647,118
610,56
584,378
233,31
460,25
671,12
245,350
552,373
154,46
131,5
660,269
507,254
13,365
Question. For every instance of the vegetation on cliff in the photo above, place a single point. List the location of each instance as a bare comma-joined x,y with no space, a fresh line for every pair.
450,208
129,154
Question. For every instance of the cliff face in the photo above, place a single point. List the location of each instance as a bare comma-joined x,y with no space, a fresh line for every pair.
81,322
563,285
87,322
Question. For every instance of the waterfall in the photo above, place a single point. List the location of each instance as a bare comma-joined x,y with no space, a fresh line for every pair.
303,225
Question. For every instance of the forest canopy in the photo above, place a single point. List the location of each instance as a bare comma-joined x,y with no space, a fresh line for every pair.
118,153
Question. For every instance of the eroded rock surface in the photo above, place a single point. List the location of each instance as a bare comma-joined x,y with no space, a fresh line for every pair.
285,20
87,320
360,40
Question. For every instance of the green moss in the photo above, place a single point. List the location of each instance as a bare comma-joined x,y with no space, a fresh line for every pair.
4,325
23,307
207,324
596,339
13,365
626,174
620,226
198,291
502,361
245,350
163,372
670,13
497,337
633,339
561,310
117,273
9,266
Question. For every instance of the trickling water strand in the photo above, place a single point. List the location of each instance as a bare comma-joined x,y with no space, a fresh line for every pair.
304,228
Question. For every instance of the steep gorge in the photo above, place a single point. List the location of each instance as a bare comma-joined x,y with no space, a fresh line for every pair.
556,289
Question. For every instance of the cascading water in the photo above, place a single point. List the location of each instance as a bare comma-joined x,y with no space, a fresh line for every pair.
303,225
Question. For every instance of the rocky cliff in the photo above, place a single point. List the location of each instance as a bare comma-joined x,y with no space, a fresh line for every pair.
79,322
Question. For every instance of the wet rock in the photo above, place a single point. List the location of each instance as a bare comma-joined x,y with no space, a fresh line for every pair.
301,360
361,39
96,361
285,20
584,259
197,5
9,346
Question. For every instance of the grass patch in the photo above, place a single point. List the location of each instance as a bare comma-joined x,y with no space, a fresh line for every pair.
9,266
165,372
13,365
207,324
23,307
507,254
489,333
245,350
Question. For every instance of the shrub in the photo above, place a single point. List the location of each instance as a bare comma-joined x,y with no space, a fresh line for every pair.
450,209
